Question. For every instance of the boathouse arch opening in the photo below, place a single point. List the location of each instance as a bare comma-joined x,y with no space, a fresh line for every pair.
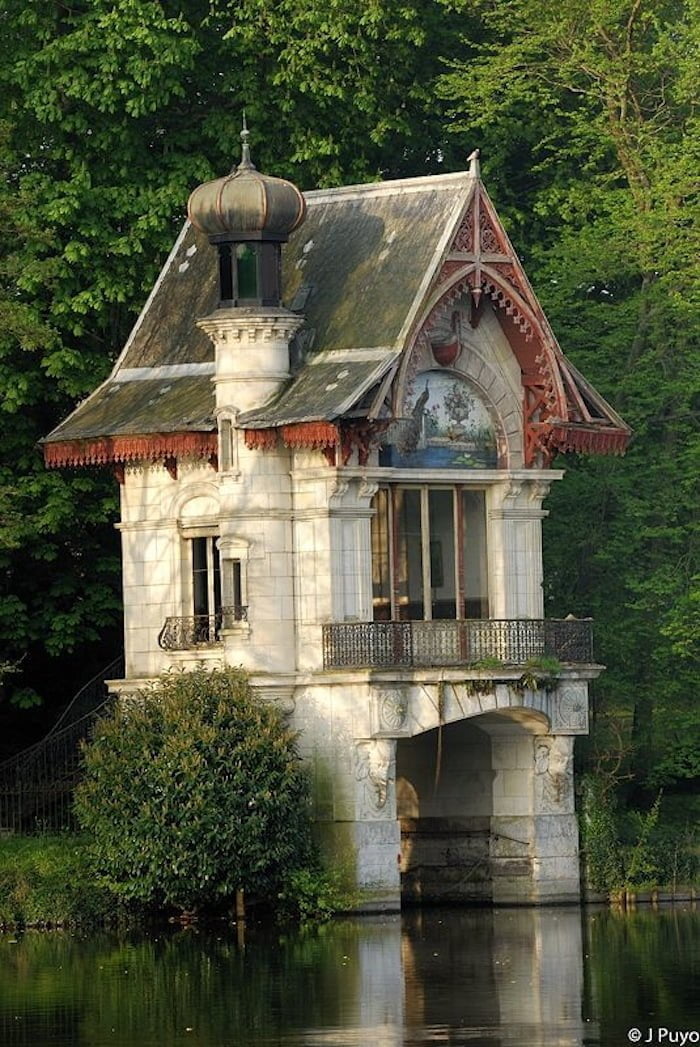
466,804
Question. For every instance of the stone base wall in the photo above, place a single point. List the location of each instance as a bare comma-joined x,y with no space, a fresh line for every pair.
366,854
445,860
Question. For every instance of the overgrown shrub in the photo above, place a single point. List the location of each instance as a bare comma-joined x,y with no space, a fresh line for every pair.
632,849
643,867
600,841
315,894
193,789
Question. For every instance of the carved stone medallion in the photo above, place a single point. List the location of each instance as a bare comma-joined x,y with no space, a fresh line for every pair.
393,709
570,708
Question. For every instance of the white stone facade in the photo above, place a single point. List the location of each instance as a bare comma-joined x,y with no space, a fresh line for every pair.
496,820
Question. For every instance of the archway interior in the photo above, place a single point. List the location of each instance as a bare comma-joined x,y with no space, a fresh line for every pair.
464,794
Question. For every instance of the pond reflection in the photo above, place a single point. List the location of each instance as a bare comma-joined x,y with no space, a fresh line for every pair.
525,977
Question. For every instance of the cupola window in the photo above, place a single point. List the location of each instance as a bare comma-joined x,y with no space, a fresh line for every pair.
247,272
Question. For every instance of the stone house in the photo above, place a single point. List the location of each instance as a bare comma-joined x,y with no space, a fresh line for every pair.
333,426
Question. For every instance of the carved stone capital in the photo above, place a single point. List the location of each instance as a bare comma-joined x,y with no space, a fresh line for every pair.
554,774
235,326
375,772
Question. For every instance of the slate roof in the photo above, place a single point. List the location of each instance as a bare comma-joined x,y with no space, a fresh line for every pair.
357,268
328,387
157,405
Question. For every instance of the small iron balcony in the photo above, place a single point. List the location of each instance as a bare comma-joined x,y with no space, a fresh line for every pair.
416,644
199,630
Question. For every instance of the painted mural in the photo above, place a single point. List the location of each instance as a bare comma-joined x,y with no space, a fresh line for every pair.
447,426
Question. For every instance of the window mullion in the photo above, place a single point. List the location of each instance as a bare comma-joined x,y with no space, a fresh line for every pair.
425,548
211,603
459,552
393,553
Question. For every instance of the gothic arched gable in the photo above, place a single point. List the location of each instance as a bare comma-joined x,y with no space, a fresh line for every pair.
457,395
481,276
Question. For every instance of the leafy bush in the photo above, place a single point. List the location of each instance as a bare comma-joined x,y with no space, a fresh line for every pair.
192,791
314,894
642,865
600,843
48,880
631,849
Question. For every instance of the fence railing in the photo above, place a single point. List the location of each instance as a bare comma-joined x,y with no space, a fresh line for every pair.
199,630
36,785
358,645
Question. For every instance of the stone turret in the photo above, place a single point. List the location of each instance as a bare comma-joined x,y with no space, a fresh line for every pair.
247,216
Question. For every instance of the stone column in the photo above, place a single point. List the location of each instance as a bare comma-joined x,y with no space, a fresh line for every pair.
252,363
376,831
252,353
332,552
555,858
515,538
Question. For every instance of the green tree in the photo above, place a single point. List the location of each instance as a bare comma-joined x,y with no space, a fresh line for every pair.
111,111
602,99
216,798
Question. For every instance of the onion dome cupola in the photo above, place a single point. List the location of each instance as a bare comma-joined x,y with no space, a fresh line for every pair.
248,216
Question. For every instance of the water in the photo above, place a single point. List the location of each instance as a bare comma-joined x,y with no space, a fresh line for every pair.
482,978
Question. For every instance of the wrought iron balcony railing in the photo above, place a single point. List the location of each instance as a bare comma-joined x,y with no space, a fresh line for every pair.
360,645
199,630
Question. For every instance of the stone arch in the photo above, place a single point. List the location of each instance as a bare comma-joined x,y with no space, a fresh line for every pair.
410,710
206,492
506,291
489,384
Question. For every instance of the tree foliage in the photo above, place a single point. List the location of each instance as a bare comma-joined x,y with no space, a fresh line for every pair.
193,790
608,93
111,111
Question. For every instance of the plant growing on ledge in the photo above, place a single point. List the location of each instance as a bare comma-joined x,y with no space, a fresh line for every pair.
487,663
194,791
540,672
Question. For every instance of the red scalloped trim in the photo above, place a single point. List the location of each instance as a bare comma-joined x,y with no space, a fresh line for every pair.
261,439
310,434
104,450
589,441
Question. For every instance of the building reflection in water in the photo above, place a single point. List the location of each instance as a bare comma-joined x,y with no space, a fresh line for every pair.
504,976
509,975
477,978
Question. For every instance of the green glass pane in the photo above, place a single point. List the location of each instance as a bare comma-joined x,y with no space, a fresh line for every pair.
247,271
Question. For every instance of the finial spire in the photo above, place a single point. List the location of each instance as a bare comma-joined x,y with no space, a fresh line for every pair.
246,163
474,166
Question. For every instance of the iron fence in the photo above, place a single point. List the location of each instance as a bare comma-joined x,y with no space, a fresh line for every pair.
199,630
358,645
36,785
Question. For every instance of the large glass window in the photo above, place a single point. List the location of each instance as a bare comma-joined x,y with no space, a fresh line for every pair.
429,555
381,557
409,553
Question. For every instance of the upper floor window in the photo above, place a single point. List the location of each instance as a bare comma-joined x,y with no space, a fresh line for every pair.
429,555
206,587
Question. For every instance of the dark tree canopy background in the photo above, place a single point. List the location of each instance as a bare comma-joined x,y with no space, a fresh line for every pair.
111,111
